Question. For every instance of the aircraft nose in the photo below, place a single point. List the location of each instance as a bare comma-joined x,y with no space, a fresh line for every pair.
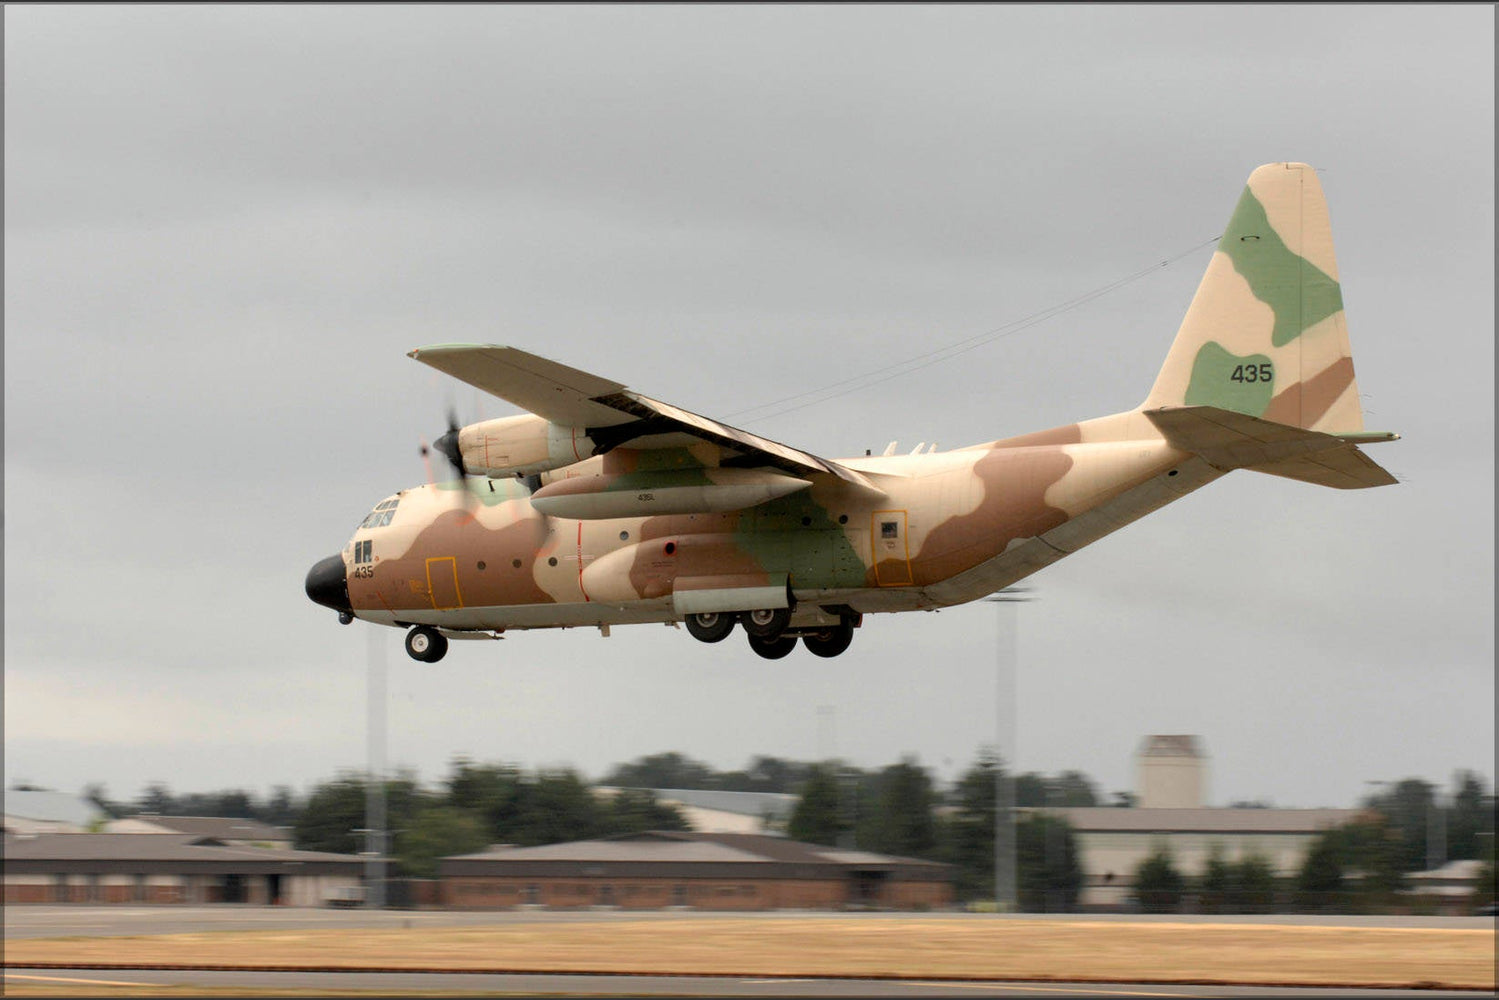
327,585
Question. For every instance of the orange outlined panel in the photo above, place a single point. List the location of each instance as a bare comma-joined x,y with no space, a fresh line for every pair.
443,584
891,548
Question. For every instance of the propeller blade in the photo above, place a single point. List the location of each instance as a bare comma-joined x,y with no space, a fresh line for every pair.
427,461
448,446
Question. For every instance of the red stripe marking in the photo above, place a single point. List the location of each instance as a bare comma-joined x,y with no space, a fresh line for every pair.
580,562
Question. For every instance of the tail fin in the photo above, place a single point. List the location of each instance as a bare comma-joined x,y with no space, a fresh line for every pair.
1265,335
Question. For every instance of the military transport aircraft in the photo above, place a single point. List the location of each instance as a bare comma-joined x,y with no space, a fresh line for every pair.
605,507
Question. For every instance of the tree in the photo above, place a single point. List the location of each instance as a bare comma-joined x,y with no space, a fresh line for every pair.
1074,789
1251,885
664,770
1046,864
1030,791
282,807
1319,883
1486,886
765,774
554,807
970,831
1407,807
636,810
902,820
1158,884
1471,818
438,831
157,798
491,792
336,810
1375,851
818,818
1065,790
1216,886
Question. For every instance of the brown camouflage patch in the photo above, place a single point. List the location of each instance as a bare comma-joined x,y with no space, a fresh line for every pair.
1302,404
1014,506
408,581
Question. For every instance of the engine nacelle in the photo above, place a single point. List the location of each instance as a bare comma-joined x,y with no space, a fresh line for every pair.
648,494
521,446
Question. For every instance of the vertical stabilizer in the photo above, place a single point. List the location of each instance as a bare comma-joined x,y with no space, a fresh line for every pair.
1265,334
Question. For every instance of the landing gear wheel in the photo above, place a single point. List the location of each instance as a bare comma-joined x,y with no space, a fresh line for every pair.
426,644
773,648
829,642
767,624
710,627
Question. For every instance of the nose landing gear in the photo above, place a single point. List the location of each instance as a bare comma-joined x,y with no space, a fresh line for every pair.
426,644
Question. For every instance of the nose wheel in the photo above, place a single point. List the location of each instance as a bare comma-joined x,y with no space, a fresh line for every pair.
426,644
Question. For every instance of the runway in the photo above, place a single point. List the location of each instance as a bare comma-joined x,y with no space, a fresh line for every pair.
97,983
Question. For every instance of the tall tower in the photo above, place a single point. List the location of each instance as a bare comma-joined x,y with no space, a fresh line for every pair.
1173,773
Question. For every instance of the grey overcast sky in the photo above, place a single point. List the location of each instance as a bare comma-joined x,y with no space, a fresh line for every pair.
225,226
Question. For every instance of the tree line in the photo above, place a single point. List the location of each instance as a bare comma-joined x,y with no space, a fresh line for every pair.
1362,866
897,810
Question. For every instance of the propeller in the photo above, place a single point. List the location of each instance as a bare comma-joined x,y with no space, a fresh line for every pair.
447,446
1010,595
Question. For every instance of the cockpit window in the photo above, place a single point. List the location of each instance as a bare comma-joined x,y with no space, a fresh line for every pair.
382,514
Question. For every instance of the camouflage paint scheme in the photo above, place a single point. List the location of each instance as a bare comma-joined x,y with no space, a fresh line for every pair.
1260,376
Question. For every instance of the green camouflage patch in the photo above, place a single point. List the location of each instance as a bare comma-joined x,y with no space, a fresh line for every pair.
1299,293
795,535
1230,382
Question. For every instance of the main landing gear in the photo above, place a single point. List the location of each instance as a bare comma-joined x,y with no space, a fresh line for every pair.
426,644
769,633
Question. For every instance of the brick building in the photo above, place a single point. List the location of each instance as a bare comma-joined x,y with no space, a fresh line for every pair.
167,868
700,870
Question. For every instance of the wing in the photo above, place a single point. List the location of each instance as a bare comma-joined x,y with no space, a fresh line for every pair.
613,415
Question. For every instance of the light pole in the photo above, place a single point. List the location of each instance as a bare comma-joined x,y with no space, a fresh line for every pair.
374,785
1436,831
1007,657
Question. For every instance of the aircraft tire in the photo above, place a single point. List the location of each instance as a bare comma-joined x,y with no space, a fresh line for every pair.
773,648
425,644
830,643
766,624
710,627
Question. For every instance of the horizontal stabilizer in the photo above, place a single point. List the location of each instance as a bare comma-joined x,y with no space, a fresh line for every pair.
1229,440
1344,468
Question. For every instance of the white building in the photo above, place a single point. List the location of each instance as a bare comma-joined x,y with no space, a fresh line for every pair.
1173,773
35,811
231,831
708,811
1171,814
1113,842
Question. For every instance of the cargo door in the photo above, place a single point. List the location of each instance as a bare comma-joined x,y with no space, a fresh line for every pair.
892,551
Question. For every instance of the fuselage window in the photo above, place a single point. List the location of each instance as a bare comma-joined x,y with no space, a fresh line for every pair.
362,551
